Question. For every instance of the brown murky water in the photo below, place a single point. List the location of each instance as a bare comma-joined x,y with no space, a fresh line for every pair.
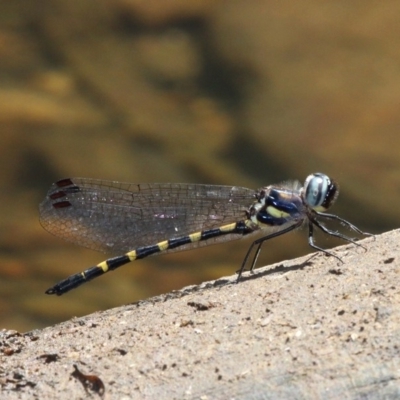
228,93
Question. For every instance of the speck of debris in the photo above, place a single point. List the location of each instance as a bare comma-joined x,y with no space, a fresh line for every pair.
389,260
335,271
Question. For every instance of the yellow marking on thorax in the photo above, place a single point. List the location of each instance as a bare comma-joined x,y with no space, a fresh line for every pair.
274,212
195,237
163,245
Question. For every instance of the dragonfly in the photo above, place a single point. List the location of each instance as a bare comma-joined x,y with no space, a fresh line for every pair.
140,220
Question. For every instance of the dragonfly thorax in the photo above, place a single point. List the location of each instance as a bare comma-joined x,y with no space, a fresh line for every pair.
276,206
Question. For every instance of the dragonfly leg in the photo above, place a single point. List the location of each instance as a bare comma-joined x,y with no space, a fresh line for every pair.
338,234
344,222
259,243
313,245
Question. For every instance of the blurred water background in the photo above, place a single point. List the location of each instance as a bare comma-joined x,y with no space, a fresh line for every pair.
239,92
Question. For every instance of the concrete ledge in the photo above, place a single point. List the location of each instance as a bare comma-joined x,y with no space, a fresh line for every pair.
305,328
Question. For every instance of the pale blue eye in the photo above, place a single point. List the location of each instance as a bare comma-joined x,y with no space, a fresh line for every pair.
316,188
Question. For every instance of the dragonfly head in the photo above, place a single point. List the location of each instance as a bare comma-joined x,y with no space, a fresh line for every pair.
319,191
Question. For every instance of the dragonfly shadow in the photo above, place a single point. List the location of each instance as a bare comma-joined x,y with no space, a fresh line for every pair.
281,268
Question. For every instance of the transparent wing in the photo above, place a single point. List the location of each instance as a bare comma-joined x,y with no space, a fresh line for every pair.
117,217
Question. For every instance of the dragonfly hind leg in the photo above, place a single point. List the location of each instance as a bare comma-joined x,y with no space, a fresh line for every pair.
259,242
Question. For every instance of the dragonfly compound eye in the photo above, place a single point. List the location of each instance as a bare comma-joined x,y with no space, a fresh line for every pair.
320,191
